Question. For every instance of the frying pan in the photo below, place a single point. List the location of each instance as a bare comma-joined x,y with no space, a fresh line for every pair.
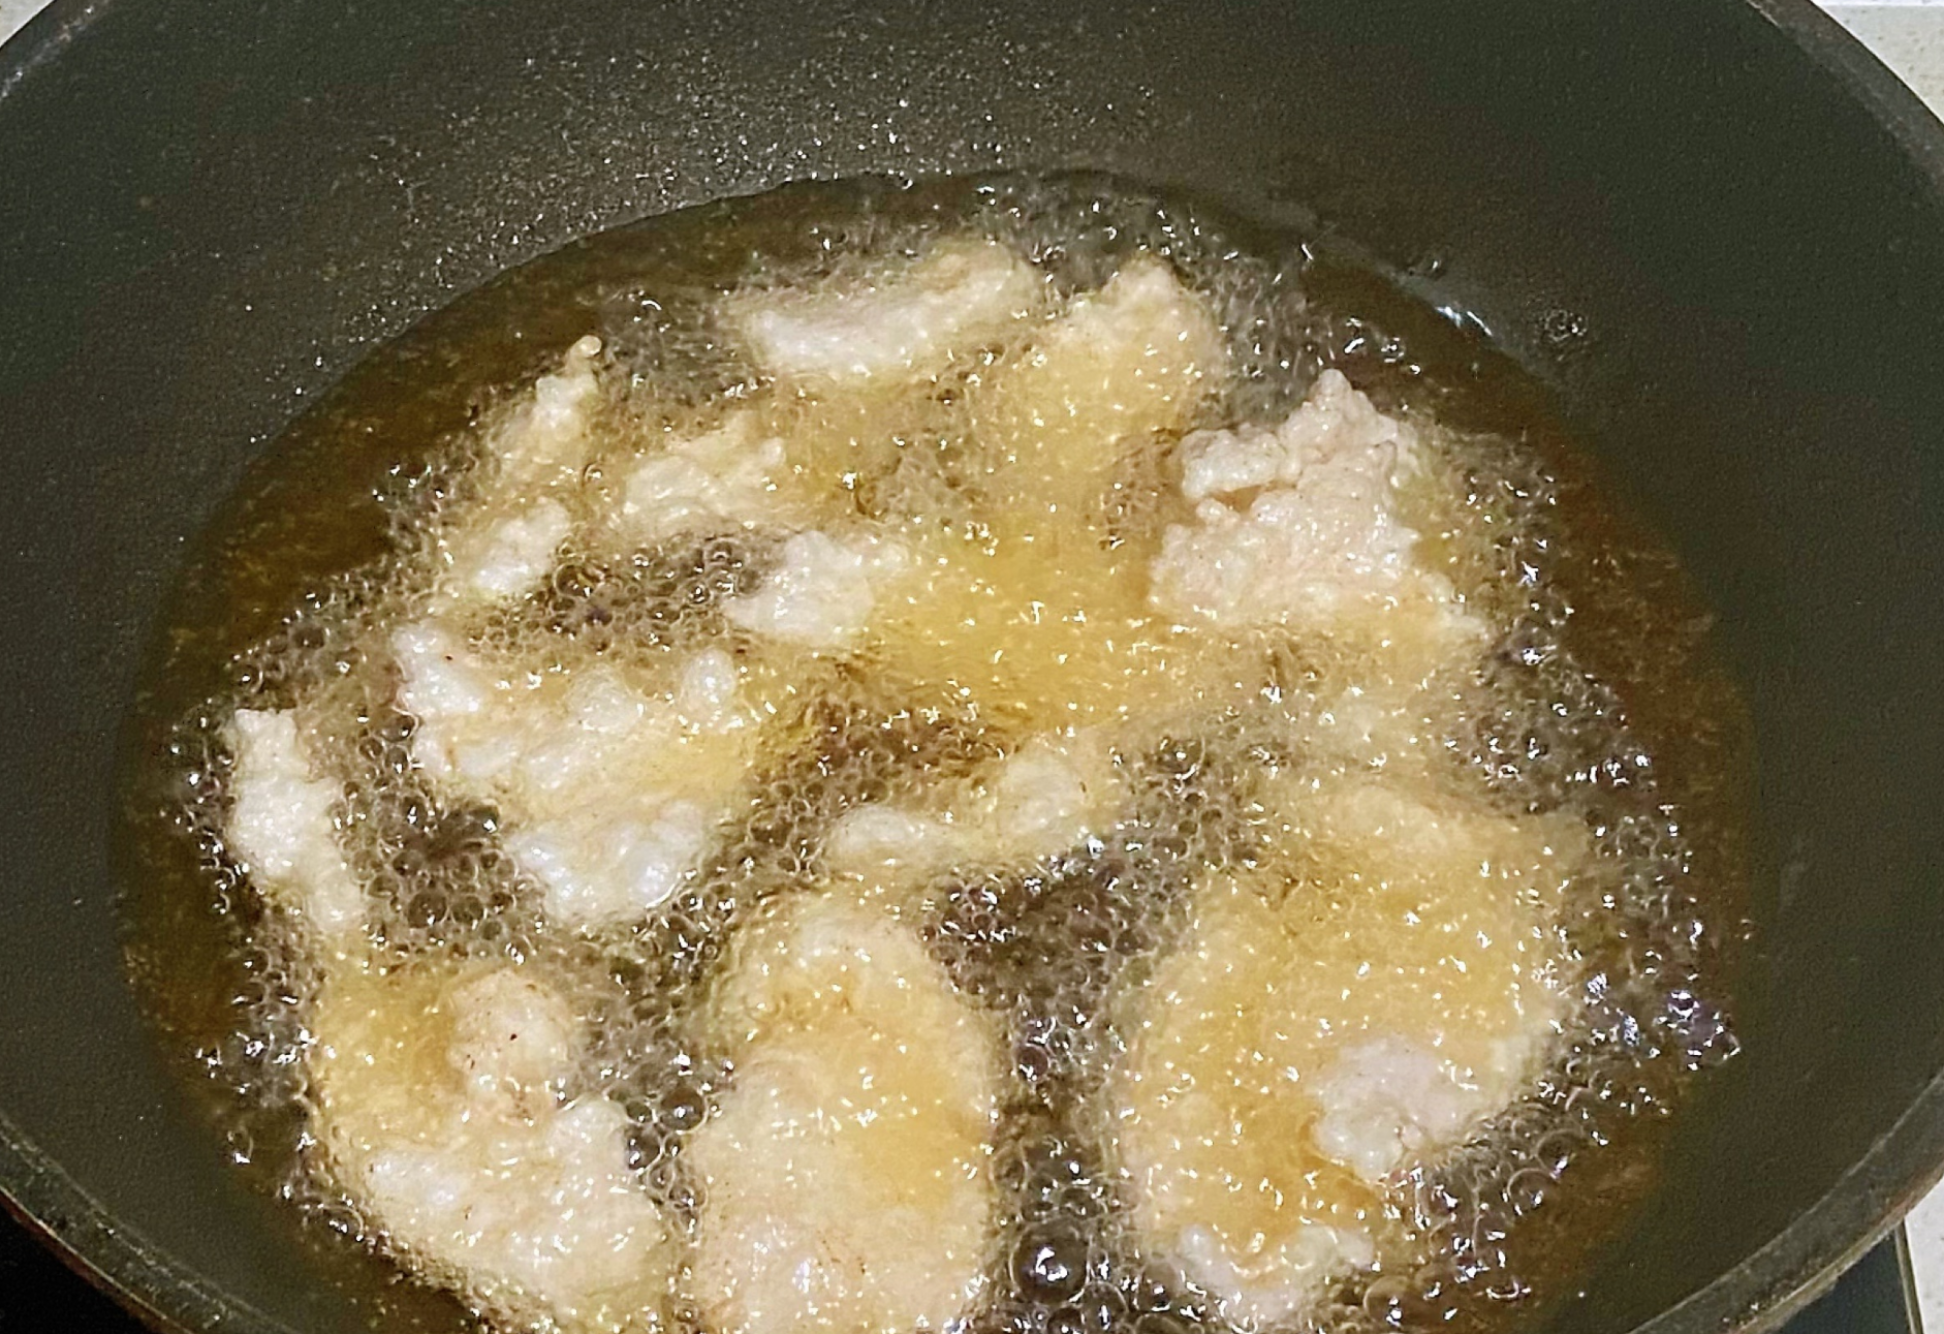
1714,227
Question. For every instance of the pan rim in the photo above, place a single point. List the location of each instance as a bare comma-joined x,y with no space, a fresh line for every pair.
136,1274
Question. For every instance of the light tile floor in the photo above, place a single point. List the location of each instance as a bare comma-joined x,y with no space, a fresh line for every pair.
1908,35
13,13
1925,1230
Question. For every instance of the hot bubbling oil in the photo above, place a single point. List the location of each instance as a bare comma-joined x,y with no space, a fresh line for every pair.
1592,703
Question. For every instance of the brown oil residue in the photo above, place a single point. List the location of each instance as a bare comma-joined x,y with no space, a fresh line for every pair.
1600,705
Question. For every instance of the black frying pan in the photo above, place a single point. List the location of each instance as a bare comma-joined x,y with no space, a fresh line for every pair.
209,208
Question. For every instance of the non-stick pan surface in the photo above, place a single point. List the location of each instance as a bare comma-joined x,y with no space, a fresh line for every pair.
1716,227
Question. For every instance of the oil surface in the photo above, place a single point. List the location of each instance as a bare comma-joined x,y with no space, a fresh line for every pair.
1596,704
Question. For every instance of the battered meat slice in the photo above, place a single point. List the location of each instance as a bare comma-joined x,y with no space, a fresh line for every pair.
906,320
845,1178
609,781
1060,423
1049,795
444,1105
823,591
501,543
1303,526
1358,1005
283,826
1038,612
730,476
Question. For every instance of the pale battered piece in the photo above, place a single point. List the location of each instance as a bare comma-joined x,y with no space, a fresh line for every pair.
282,825
727,478
544,442
1060,422
845,1174
825,584
1300,526
1050,795
442,1108
1356,1006
904,322
823,591
502,542
1038,614
610,781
